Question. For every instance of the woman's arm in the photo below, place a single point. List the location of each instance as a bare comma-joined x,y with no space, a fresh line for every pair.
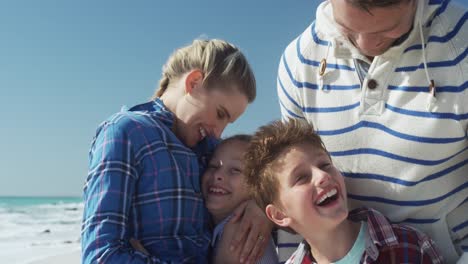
223,253
252,232
108,192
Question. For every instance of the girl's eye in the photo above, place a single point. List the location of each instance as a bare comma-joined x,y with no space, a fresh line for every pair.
212,166
221,114
235,170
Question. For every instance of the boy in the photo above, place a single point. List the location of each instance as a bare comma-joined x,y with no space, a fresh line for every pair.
301,190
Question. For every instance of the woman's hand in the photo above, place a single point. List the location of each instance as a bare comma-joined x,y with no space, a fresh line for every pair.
138,246
253,232
223,254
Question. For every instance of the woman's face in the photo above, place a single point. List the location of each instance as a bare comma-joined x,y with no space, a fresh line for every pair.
207,112
223,183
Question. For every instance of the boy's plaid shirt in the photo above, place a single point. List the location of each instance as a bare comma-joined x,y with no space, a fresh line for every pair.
389,243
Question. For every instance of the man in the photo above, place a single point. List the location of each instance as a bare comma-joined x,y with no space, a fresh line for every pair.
385,85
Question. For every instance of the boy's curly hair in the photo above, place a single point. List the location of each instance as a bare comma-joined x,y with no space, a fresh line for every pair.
266,145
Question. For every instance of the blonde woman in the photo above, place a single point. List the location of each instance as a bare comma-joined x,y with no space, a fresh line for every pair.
145,163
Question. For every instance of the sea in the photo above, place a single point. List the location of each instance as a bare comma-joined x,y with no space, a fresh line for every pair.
34,228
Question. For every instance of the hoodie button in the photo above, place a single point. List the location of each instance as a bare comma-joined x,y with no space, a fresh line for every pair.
372,84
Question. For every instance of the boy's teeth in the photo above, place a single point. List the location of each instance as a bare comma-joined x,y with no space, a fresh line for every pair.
330,193
218,190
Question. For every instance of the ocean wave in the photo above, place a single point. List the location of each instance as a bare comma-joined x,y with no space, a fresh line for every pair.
54,222
38,226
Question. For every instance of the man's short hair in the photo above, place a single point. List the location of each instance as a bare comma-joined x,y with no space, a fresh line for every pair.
266,145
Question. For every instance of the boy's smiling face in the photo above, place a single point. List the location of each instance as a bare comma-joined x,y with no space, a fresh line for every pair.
312,193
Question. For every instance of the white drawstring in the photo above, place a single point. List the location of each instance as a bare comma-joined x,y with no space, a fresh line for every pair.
432,89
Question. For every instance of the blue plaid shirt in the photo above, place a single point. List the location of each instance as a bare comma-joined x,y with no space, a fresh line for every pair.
144,183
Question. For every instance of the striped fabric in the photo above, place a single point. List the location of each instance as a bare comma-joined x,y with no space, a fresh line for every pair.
400,151
286,244
387,243
143,183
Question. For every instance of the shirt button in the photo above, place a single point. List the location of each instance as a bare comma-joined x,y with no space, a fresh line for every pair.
372,84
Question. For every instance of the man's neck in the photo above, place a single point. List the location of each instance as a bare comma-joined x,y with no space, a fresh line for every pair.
332,246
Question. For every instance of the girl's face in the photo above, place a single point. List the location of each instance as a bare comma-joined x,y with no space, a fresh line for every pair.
207,112
223,184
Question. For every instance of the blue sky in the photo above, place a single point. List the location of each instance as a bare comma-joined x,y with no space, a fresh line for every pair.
67,65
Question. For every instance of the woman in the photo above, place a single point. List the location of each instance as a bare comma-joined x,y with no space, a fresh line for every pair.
145,163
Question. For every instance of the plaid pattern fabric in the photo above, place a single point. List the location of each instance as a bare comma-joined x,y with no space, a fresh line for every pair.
143,183
389,243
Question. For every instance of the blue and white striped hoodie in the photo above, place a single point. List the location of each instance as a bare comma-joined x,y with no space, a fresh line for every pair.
402,149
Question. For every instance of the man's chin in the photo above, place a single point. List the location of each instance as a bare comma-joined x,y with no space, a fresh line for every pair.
373,53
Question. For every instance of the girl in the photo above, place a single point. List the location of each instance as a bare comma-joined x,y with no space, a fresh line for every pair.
224,189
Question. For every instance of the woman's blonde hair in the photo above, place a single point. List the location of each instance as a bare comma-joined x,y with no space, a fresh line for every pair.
222,64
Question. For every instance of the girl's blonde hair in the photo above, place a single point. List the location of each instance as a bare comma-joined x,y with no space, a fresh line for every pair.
222,64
